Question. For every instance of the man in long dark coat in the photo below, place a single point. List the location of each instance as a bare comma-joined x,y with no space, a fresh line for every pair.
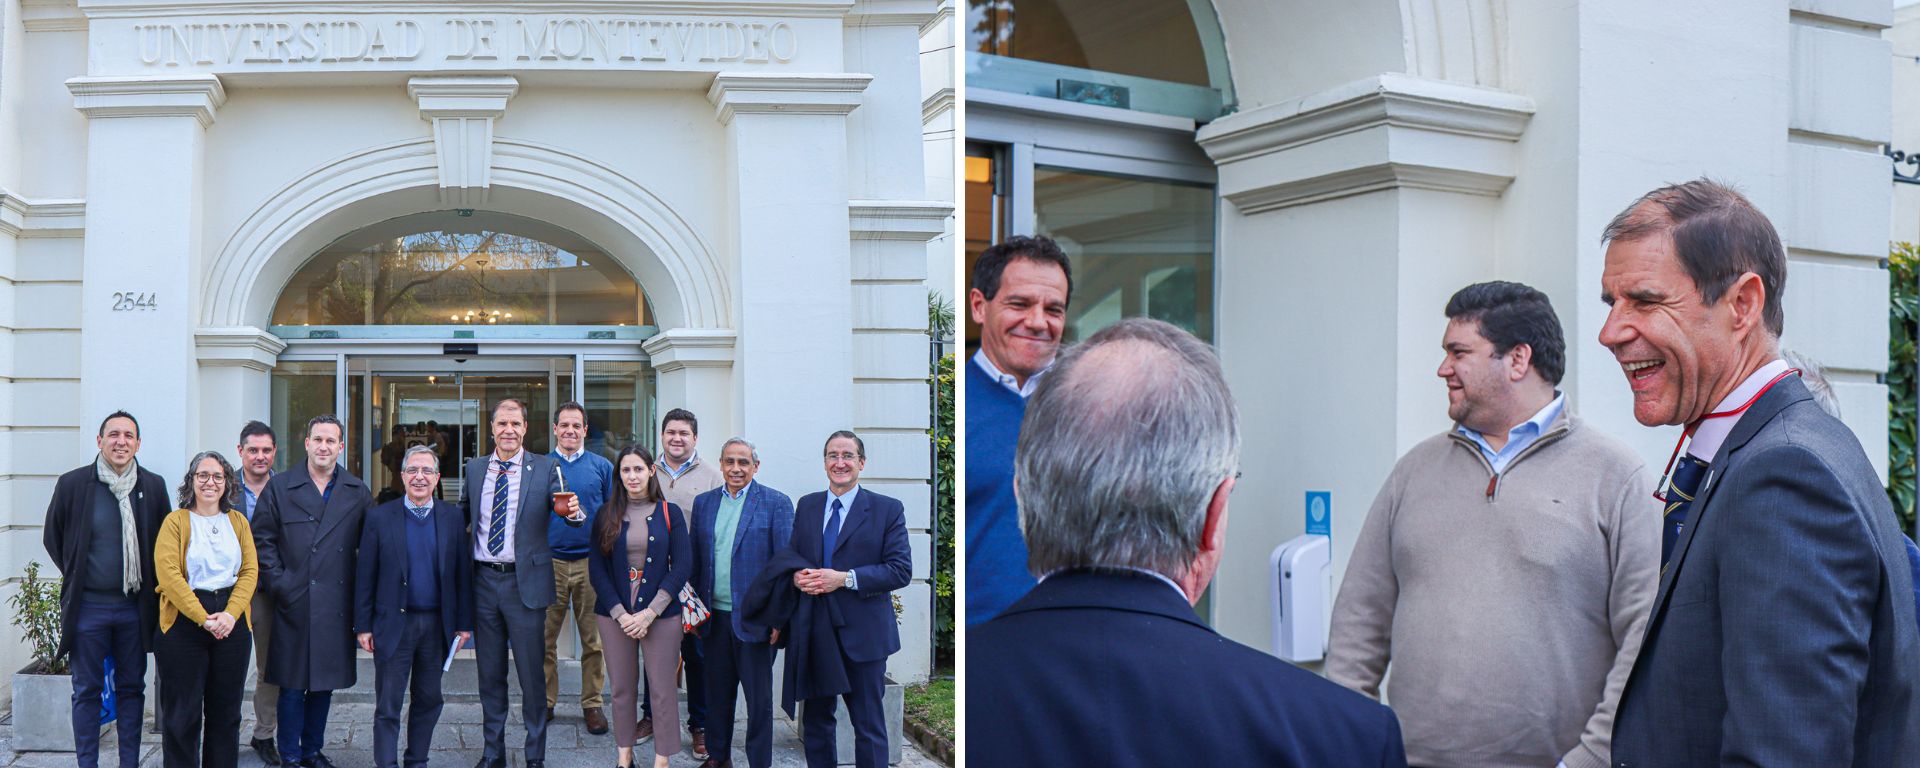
306,530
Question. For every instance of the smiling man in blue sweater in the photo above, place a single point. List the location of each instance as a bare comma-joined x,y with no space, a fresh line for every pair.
1019,297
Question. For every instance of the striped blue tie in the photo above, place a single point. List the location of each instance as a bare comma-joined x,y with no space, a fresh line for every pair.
497,527
1687,475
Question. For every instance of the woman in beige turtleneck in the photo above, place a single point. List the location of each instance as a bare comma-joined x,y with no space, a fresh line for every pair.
641,555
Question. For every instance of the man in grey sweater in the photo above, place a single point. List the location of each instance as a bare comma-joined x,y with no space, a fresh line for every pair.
1505,570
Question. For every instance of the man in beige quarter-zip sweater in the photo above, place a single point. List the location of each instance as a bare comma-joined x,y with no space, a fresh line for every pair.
1505,570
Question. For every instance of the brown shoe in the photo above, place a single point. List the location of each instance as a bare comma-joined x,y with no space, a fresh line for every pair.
596,722
643,730
699,743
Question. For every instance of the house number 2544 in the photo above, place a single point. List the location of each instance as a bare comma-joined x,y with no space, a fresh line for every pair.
127,301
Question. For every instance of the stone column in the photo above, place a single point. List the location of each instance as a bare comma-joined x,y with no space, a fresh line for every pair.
790,271
694,367
139,288
235,385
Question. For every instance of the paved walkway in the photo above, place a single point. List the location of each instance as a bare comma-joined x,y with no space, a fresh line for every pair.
456,743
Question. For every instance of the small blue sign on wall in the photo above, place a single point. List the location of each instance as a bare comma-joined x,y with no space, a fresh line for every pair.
1320,513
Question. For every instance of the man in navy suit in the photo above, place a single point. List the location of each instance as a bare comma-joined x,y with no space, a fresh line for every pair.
1783,630
856,541
1128,453
736,529
508,501
412,596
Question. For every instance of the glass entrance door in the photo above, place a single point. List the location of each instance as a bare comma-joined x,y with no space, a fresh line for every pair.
445,404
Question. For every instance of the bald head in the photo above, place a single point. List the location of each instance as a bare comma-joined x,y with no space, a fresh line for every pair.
1124,445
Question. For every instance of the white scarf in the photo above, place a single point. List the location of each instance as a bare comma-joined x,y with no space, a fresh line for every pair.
122,487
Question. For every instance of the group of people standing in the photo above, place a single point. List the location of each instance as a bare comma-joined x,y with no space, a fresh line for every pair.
1524,591
662,560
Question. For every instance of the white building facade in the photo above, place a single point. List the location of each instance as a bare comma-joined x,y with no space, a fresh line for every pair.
214,211
1305,187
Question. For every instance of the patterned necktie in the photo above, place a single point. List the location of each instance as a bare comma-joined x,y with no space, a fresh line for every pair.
497,527
1687,474
830,536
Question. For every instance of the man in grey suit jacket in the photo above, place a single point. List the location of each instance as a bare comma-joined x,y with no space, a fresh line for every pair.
508,500
1783,630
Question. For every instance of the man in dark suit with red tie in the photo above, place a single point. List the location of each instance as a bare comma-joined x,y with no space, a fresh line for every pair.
1783,630
857,542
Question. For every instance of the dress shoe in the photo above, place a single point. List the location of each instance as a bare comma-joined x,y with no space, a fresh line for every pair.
536,764
716,763
699,743
268,753
596,721
643,730
549,714
319,760
498,762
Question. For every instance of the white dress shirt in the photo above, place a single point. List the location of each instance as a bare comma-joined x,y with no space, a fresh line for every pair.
485,498
1713,432
1007,379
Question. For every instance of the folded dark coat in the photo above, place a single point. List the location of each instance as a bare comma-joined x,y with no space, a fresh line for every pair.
807,630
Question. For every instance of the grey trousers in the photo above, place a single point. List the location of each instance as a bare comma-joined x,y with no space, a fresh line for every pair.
503,621
659,655
266,696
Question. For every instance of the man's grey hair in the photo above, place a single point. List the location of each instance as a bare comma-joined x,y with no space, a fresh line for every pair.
1124,442
1814,375
417,450
751,449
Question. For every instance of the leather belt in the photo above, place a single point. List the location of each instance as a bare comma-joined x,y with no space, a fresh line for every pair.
501,567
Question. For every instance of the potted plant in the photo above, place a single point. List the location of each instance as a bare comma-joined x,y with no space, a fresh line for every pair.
42,691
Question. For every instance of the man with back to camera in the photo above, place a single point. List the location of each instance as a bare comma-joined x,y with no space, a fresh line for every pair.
508,503
590,477
1783,629
683,475
257,448
101,527
1523,527
1019,298
1130,450
306,531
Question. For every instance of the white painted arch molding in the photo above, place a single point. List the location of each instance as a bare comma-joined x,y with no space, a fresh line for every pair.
678,268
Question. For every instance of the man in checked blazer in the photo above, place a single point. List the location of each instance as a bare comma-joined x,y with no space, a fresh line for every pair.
736,529
508,501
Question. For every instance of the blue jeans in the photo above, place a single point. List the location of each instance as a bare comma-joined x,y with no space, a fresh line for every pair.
100,631
303,723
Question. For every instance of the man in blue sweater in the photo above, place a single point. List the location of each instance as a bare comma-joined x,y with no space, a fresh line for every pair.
589,477
1019,298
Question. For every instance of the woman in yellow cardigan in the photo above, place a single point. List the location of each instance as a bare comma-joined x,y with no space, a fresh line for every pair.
207,571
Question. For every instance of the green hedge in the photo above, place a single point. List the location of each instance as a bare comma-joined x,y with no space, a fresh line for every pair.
944,444
1904,263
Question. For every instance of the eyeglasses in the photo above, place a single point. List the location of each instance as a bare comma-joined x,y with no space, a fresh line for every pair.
843,457
209,478
412,471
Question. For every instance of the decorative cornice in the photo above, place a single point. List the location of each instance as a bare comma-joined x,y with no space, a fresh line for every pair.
462,110
891,13
51,16
944,13
812,94
458,96
106,9
941,101
196,96
911,220
1383,132
682,348
22,218
243,347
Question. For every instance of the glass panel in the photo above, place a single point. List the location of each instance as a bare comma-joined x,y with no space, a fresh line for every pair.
1155,39
301,391
986,215
1139,247
462,268
620,406
418,409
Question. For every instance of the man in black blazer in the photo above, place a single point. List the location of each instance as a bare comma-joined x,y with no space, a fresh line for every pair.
1126,458
1783,631
857,542
508,502
412,597
108,606
306,532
